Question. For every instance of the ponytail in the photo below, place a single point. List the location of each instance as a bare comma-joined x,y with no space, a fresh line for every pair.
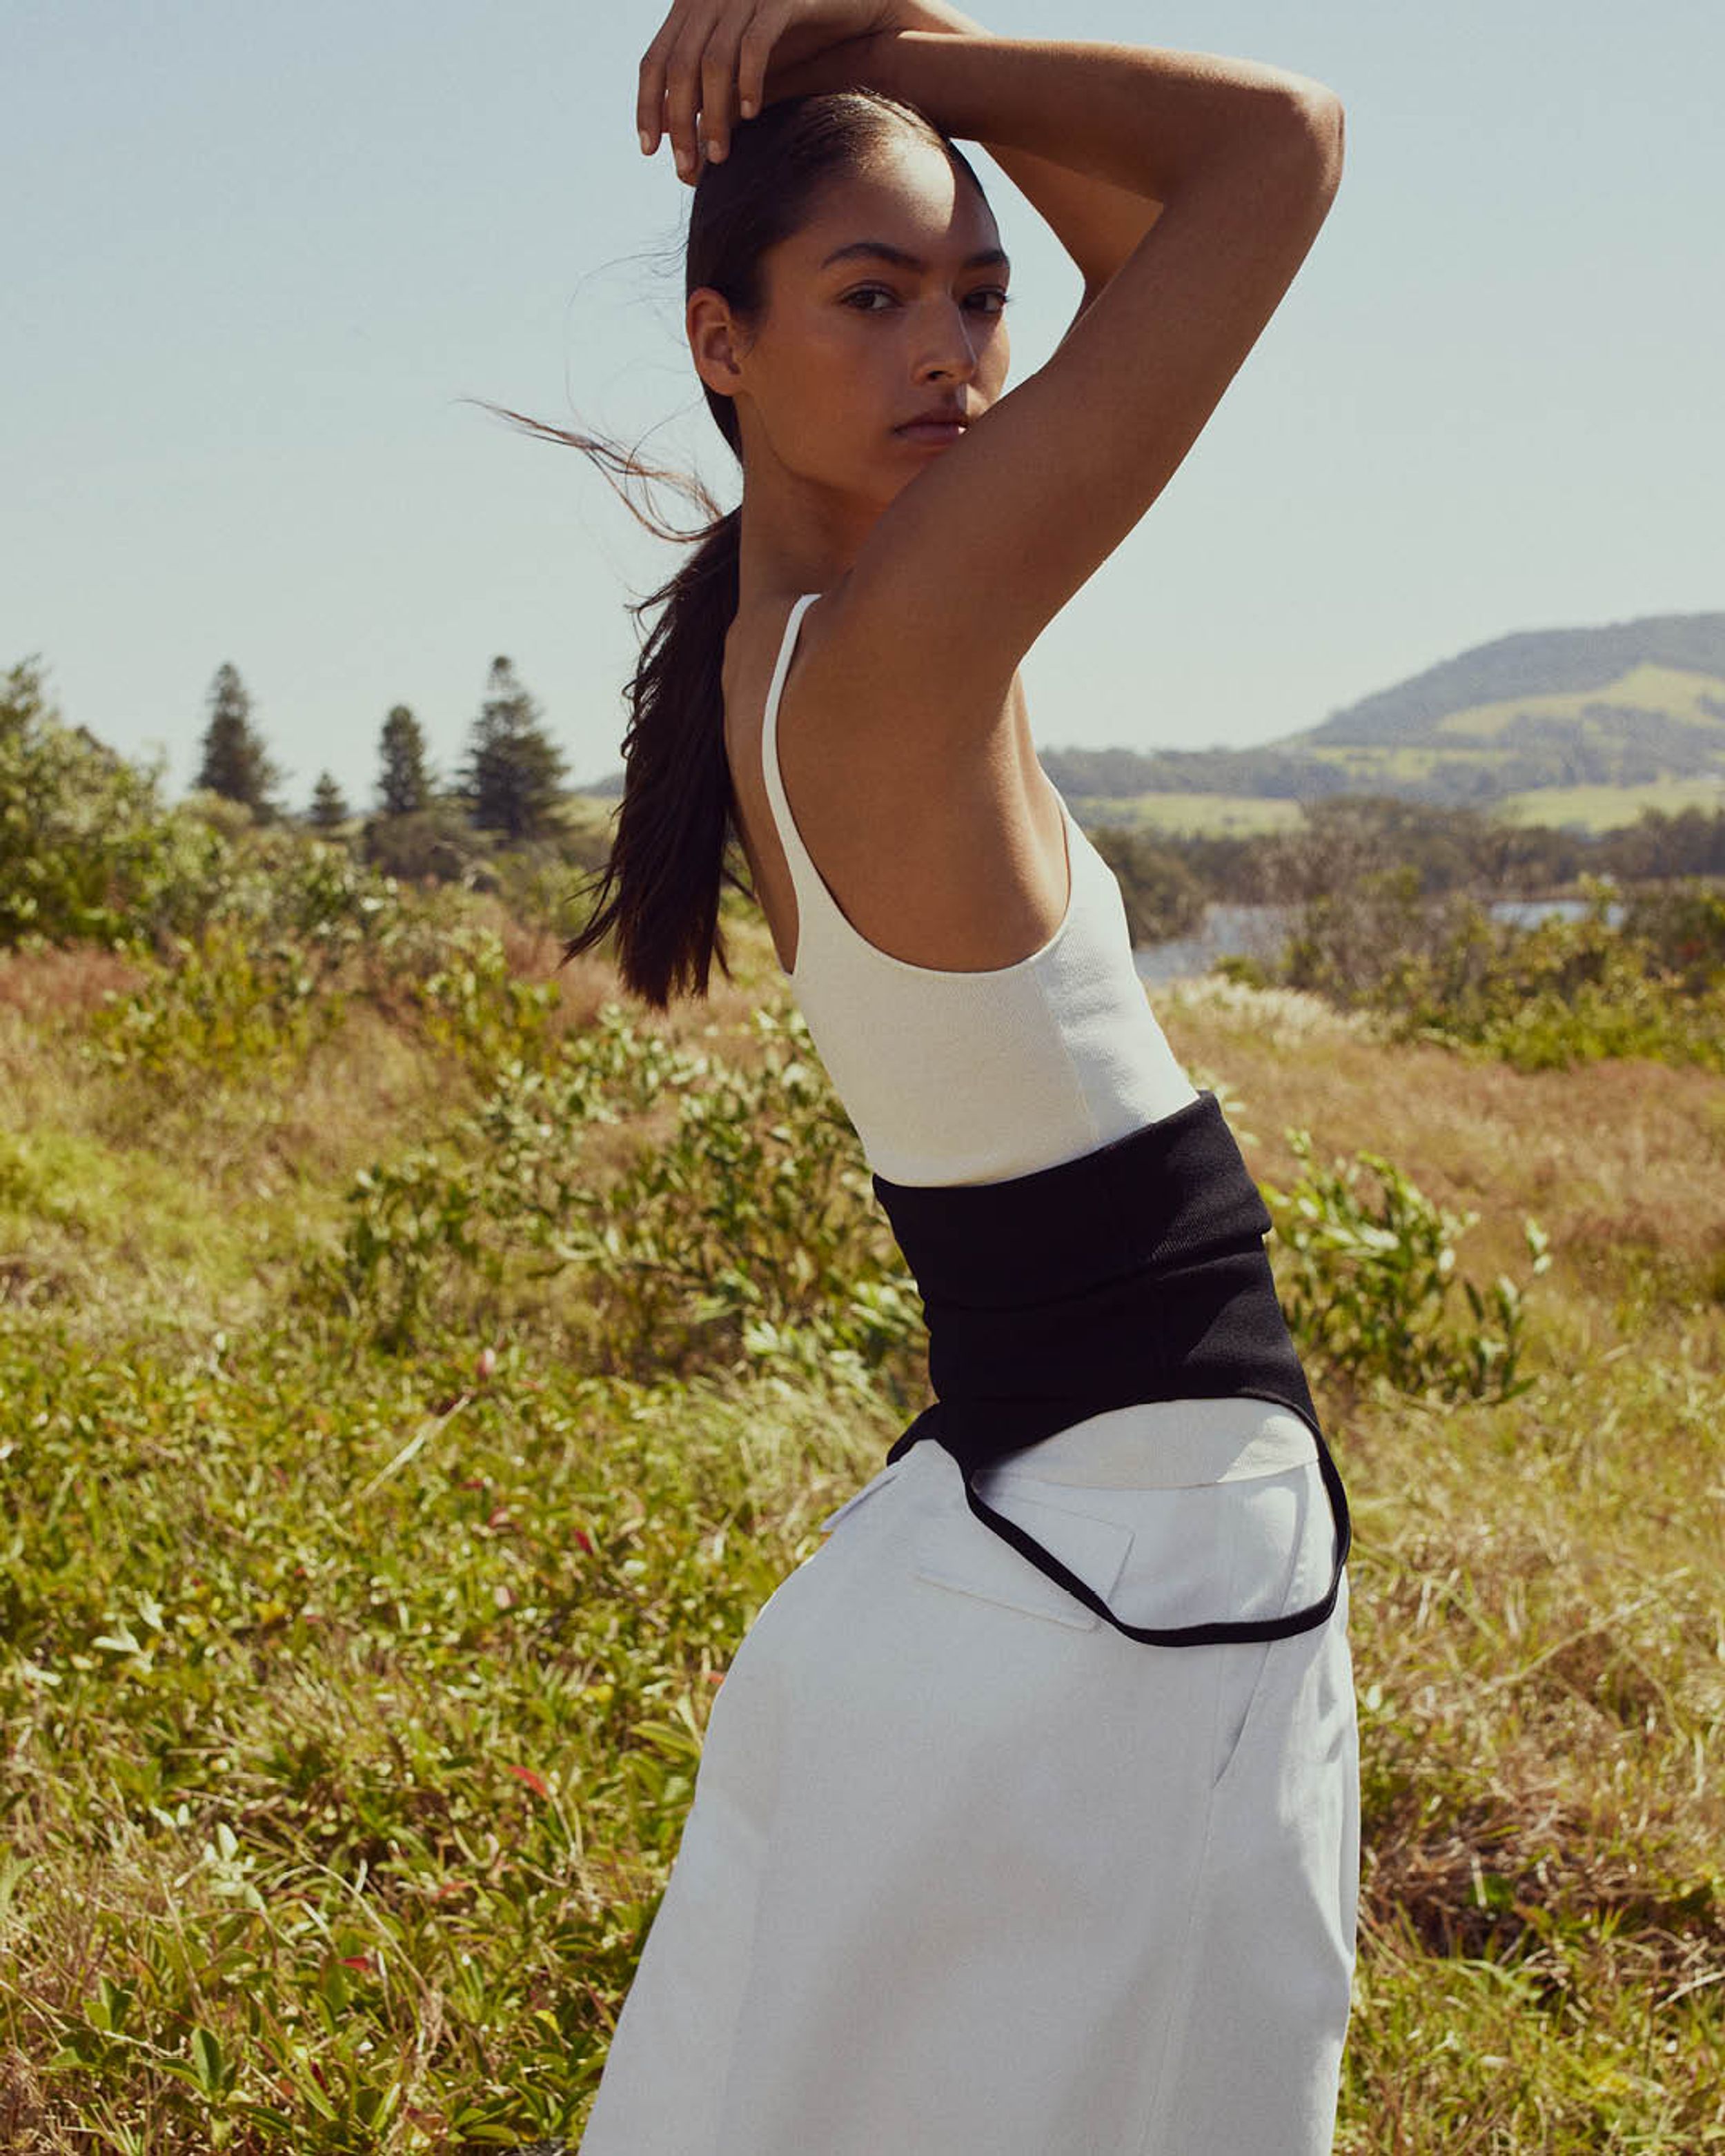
660,889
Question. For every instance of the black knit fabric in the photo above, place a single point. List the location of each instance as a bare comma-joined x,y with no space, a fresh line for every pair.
1135,1272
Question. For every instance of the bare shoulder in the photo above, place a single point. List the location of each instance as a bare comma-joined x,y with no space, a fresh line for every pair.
941,849
846,731
752,644
973,558
853,725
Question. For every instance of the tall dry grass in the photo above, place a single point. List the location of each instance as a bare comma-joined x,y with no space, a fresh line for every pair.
352,1702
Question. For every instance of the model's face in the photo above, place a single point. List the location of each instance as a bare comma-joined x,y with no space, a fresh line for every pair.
887,303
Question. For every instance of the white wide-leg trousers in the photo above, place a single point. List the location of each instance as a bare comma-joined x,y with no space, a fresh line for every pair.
966,1872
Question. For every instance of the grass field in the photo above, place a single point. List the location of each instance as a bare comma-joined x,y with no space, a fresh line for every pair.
1207,814
1589,807
352,1699
1610,807
1676,691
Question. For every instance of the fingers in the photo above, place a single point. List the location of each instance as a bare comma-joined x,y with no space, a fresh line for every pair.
650,92
754,50
682,98
704,62
718,91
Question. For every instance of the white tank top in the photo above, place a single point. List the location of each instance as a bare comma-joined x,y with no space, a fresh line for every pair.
975,1077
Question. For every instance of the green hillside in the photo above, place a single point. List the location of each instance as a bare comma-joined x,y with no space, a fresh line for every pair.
1519,671
1635,709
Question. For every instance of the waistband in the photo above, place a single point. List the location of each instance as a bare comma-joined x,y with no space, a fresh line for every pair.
1166,1445
1133,1274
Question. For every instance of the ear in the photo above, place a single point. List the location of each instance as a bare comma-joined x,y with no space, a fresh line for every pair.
715,341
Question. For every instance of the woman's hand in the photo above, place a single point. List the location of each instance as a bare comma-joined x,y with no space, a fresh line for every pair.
711,56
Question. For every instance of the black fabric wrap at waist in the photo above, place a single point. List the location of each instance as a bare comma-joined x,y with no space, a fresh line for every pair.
1136,1272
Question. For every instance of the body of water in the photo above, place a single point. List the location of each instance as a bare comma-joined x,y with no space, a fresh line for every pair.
1258,931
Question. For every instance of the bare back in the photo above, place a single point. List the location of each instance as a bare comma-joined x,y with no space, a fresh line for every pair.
957,863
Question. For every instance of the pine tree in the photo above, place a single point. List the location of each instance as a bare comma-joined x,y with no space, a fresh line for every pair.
403,783
329,805
234,763
513,776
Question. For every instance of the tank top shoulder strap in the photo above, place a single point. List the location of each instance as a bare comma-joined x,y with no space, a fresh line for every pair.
812,893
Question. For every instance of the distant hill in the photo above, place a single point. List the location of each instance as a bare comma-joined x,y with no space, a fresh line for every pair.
1633,704
1530,668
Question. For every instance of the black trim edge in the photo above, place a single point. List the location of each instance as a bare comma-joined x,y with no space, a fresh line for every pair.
1222,1630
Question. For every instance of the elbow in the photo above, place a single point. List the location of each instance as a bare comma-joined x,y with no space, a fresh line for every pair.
1322,116
1312,137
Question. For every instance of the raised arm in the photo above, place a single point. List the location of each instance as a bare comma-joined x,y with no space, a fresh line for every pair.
964,569
1097,222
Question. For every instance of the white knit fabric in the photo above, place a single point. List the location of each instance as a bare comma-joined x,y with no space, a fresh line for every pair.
973,1077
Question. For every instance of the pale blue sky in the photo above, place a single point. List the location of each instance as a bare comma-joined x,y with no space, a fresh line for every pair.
254,255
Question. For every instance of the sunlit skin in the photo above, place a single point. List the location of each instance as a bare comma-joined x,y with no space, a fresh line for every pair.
847,351
844,353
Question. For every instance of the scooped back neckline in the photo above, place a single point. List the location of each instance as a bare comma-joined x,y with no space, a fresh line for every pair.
790,839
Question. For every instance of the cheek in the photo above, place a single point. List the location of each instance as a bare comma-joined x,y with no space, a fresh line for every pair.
854,382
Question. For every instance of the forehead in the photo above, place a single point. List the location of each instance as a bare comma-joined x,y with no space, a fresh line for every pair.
908,194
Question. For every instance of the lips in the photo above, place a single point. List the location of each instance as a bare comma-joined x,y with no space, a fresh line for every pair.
933,427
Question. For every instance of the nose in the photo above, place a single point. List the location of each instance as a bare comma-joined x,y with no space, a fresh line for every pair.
948,353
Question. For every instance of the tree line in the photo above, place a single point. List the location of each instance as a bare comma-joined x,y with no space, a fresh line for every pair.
509,780
1167,880
57,784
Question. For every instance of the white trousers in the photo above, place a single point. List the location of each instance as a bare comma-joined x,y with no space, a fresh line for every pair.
966,1872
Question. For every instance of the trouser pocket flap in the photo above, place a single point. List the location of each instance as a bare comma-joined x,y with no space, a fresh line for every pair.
955,1549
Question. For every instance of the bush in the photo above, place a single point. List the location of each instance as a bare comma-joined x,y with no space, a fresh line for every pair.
87,852
225,1010
744,1236
1162,896
1682,925
434,845
287,925
477,1010
1563,991
1351,941
1366,1274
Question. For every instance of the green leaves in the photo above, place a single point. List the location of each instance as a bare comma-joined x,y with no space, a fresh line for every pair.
1366,1266
1546,997
737,1233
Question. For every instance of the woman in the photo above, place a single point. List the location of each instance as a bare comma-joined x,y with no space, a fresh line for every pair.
1026,1822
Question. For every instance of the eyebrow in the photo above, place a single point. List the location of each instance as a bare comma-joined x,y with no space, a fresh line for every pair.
991,258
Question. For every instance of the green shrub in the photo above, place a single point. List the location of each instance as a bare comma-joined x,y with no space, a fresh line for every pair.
227,1012
1162,897
1682,925
749,1233
739,1232
1545,998
87,852
1561,992
1366,1271
291,930
435,843
474,1008
1351,939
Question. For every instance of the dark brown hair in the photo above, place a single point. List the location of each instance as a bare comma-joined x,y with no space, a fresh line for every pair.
659,889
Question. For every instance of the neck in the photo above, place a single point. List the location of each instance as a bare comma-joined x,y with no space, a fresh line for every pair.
794,537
